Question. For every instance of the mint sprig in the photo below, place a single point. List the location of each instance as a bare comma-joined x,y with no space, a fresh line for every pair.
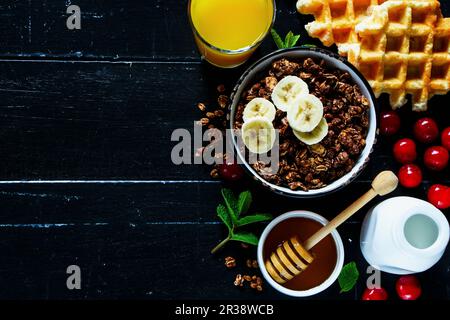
289,41
230,213
348,277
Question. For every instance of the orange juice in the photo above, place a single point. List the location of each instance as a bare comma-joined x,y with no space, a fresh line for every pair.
228,31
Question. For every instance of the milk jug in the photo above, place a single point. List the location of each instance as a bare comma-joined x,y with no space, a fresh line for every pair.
404,235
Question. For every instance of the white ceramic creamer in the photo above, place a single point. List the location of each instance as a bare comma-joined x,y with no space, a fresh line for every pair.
404,235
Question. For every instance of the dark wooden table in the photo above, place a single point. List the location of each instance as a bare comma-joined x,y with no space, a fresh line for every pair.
86,177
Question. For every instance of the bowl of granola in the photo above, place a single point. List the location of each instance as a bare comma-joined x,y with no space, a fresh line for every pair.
303,121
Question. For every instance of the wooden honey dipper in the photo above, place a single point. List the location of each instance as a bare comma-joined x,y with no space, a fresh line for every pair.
292,257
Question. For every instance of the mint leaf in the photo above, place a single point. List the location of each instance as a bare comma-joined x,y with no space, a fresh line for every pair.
293,41
246,237
222,213
244,202
229,214
287,39
231,204
276,37
348,277
253,218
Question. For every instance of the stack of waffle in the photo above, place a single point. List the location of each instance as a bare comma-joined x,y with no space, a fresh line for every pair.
401,46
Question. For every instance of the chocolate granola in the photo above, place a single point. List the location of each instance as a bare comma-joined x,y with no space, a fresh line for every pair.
346,110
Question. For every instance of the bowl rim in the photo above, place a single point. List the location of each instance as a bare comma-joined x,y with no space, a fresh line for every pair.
373,123
340,254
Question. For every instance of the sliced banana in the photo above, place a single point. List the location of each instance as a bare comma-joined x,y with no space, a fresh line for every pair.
287,91
258,135
315,136
259,107
305,113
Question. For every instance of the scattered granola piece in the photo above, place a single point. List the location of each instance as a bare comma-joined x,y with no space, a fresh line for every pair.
221,88
219,113
214,173
238,281
247,278
230,262
201,106
222,101
204,121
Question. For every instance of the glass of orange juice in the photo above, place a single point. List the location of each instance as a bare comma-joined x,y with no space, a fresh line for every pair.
227,32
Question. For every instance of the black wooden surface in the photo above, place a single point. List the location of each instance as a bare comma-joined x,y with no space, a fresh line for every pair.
86,177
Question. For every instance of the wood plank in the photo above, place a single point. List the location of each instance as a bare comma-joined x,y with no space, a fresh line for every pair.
138,204
152,262
122,29
170,203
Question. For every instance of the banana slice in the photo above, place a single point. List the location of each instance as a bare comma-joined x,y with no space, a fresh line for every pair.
258,135
287,91
315,136
259,107
305,113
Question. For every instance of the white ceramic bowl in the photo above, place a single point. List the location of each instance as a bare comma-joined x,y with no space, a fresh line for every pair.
333,60
339,253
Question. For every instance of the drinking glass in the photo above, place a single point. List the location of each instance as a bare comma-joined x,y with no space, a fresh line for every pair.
227,32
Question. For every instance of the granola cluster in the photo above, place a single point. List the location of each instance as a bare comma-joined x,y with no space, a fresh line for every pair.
214,117
346,110
254,282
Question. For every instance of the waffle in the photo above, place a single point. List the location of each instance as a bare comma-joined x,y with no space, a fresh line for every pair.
404,50
335,20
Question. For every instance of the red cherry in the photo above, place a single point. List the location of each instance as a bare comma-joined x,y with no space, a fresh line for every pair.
426,130
231,171
436,158
445,138
439,196
374,294
410,176
405,151
389,123
408,288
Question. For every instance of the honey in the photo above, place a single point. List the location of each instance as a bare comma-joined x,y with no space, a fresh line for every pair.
325,252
